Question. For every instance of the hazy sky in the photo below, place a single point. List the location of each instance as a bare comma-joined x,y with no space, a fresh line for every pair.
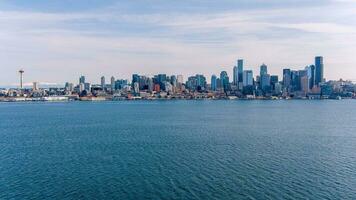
57,41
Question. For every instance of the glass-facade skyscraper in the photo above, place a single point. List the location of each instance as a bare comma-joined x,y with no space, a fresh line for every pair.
240,70
235,75
319,70
263,70
213,83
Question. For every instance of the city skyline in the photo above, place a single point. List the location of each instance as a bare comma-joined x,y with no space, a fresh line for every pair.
55,43
237,75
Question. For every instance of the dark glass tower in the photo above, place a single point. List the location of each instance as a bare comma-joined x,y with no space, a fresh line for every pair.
240,70
319,70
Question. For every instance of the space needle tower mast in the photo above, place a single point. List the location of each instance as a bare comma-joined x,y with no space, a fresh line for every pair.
21,71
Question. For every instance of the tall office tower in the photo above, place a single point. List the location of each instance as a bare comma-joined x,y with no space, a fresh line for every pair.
235,76
162,79
201,81
21,78
301,76
180,78
136,87
112,83
213,83
319,70
294,83
224,78
311,75
286,78
240,70
304,84
135,79
265,82
263,70
103,82
274,80
150,85
82,79
247,78
174,81
81,87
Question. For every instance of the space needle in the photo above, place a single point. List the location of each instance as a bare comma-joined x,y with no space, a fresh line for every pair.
21,71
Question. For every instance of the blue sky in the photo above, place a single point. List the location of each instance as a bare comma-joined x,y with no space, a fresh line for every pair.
57,41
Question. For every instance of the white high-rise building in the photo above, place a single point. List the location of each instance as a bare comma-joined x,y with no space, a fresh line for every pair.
180,78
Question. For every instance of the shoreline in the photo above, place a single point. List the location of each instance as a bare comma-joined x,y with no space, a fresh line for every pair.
176,99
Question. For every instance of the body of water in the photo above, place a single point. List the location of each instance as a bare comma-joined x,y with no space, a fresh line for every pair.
178,150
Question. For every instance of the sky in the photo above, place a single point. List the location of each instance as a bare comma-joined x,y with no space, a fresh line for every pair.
57,41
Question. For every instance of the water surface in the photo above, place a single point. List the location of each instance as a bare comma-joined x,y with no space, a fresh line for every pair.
178,150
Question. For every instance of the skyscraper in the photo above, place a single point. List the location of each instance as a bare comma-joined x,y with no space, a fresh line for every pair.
103,82
173,80
135,79
319,70
311,76
265,82
240,70
82,79
224,78
235,75
286,78
247,78
274,80
112,83
213,83
263,70
180,78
